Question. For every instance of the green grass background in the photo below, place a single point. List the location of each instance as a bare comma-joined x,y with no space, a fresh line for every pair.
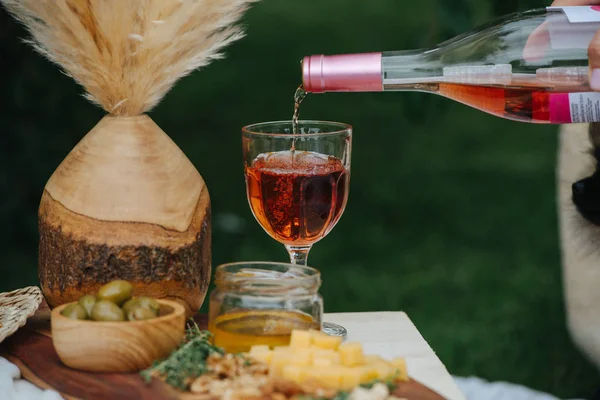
452,213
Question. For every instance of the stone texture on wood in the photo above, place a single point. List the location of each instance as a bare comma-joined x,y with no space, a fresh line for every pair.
77,254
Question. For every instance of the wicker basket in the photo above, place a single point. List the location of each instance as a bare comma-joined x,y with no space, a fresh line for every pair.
16,307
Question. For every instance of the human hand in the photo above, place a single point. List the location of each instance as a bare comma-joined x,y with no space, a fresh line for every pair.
594,48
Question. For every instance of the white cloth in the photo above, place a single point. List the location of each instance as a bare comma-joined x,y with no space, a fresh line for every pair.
479,389
14,388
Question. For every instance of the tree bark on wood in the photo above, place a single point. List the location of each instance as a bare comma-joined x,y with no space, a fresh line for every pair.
76,256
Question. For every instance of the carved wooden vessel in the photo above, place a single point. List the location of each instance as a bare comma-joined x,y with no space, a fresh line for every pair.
127,204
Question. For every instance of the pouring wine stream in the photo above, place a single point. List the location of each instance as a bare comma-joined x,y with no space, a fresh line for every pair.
299,96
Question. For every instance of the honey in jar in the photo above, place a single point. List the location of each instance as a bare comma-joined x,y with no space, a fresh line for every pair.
261,303
238,331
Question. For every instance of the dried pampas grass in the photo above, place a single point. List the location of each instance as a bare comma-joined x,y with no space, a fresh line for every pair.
128,54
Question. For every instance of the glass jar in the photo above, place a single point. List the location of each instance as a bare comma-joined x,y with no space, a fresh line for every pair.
260,303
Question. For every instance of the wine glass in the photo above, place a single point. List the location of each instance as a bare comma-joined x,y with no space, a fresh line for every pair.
297,183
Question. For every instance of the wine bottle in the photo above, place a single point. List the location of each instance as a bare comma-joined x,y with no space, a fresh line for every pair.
530,67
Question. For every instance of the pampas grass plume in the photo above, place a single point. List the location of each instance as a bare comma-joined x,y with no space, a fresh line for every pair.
128,54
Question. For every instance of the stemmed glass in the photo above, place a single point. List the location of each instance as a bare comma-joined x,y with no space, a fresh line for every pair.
297,183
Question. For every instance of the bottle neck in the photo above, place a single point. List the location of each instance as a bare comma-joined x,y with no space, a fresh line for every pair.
422,70
343,73
405,70
366,72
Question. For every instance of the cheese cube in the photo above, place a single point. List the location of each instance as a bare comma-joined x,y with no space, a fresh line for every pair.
265,357
367,374
384,370
324,341
324,353
278,363
337,359
328,353
295,373
322,362
401,371
322,357
329,377
369,359
301,357
350,378
351,354
300,339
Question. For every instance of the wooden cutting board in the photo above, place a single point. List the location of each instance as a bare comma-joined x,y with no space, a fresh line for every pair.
32,351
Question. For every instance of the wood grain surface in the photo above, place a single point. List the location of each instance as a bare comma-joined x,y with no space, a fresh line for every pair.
126,203
32,351
98,346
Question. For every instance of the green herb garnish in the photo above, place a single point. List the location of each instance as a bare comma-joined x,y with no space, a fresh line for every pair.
391,382
187,362
342,396
338,396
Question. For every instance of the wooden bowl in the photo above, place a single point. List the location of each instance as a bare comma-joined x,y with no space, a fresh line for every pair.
125,346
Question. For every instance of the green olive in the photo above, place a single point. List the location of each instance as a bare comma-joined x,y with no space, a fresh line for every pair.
129,304
74,311
116,291
87,302
140,313
105,310
142,301
149,302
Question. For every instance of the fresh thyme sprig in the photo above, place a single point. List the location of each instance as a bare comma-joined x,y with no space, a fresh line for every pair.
187,362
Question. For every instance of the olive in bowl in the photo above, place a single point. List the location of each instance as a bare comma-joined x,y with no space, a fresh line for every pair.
113,302
110,340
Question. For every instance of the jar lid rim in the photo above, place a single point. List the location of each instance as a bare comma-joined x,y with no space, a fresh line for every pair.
267,273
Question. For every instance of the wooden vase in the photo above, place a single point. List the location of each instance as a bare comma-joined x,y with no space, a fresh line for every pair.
126,203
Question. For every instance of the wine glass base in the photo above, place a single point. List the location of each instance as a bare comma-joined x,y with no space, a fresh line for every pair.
332,329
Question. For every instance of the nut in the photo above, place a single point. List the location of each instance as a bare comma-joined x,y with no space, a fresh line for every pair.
218,387
287,387
232,377
201,384
258,368
248,393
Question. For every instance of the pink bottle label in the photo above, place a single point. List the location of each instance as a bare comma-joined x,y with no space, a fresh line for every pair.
560,108
566,108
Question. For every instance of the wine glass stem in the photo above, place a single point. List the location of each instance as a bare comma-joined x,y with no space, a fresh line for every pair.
298,254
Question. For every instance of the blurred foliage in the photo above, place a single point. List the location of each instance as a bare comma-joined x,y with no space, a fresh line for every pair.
452,212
